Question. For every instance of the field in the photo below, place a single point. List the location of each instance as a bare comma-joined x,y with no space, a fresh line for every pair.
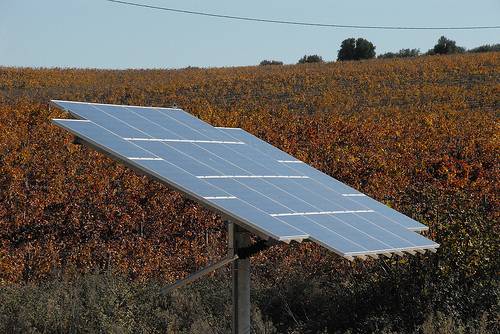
86,243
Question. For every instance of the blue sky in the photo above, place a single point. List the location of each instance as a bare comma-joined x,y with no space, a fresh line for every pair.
95,33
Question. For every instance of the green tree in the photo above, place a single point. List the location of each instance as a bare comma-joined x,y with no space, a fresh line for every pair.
446,46
352,49
310,59
270,62
403,53
347,49
486,48
364,49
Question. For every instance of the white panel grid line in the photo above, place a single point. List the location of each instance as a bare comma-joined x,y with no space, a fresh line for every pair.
220,197
71,120
291,161
186,141
311,213
145,158
227,127
354,195
252,177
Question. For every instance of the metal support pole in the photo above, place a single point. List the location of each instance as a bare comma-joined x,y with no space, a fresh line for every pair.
239,238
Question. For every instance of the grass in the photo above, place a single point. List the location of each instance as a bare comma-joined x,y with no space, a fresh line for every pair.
108,303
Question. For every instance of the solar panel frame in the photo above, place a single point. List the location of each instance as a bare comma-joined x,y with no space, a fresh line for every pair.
255,170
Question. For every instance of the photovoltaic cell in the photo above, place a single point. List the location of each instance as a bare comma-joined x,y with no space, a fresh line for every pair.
244,178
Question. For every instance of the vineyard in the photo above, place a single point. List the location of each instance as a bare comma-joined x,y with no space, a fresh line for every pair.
419,134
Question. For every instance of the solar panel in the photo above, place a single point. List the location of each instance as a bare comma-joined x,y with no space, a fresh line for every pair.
249,181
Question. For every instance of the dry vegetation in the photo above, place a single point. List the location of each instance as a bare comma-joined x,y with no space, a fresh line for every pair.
419,134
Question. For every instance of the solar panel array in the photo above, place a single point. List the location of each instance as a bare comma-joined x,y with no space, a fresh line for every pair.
246,179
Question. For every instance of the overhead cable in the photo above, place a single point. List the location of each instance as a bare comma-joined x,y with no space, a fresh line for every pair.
301,23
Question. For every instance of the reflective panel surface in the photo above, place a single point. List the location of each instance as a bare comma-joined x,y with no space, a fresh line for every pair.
244,178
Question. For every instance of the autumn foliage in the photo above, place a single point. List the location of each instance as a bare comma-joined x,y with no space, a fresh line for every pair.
419,134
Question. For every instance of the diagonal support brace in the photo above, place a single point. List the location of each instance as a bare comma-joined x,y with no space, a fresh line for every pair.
226,260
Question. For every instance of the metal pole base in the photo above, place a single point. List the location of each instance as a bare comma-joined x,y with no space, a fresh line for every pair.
239,238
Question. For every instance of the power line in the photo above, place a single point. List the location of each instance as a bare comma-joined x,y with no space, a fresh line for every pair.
297,23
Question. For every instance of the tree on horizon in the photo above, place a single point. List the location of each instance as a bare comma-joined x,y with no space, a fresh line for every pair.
356,49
